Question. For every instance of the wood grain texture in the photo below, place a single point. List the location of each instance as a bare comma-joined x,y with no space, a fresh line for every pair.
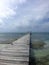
16,53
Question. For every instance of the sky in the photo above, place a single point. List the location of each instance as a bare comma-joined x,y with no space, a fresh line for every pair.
24,15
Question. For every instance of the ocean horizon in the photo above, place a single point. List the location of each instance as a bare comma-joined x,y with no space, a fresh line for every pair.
39,39
35,36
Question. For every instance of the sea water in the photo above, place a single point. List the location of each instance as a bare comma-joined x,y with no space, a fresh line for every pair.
38,53
35,36
6,38
42,55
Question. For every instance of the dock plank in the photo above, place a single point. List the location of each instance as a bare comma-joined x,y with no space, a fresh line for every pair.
16,53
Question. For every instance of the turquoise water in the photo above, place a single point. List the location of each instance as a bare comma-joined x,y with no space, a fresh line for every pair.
40,36
10,36
40,53
35,36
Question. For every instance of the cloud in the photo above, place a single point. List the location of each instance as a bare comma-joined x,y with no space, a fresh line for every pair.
7,9
1,22
24,15
40,14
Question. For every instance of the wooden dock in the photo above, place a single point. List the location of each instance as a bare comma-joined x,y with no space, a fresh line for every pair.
16,53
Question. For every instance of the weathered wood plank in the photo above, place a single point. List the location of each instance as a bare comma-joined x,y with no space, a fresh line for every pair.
1,63
16,53
14,58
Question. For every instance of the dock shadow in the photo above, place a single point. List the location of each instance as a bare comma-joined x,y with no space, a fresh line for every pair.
32,59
